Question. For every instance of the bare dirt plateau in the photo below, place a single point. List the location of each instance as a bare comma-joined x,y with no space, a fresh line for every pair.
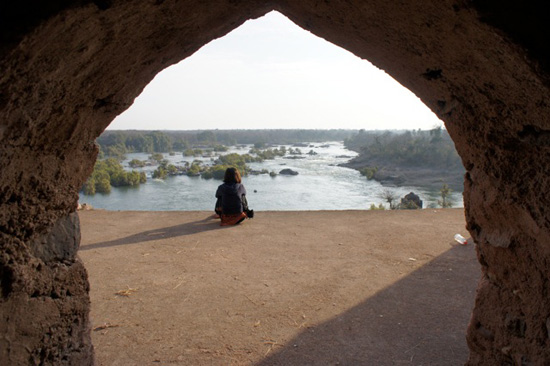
285,288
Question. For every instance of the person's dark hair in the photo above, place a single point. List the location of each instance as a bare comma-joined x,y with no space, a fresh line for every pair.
232,176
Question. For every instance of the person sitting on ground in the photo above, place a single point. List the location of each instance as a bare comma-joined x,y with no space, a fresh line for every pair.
231,204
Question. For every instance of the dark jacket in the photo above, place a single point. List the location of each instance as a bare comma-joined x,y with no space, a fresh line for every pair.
231,198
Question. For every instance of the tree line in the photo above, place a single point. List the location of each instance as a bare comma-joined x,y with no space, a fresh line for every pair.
118,143
416,158
414,148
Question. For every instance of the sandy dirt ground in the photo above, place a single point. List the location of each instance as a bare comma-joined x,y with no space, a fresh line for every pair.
285,288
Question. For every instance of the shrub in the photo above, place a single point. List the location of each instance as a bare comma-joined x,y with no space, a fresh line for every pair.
89,187
220,148
103,186
379,207
156,157
135,163
109,173
369,172
194,170
160,173
207,174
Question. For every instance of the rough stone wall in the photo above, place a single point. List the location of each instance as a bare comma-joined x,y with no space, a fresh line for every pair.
495,102
69,72
62,83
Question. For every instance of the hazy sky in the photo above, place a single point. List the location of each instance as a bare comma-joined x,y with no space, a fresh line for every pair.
269,73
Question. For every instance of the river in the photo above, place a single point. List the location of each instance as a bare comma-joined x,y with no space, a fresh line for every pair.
320,185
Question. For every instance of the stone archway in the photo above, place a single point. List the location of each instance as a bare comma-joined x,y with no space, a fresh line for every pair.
70,68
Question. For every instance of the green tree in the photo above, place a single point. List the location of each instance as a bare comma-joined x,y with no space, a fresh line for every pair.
89,187
160,173
158,157
207,174
206,137
445,200
172,169
103,185
133,178
218,172
109,172
135,163
237,161
180,145
119,179
194,170
161,141
116,151
369,172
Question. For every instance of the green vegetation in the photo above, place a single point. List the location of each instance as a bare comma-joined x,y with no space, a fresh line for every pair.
194,170
158,157
197,168
109,172
236,161
117,143
135,163
216,172
117,152
432,148
165,169
416,158
445,201
220,148
369,172
268,154
160,173
379,207
193,152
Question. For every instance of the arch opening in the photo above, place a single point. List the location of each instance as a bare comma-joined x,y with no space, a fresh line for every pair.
230,84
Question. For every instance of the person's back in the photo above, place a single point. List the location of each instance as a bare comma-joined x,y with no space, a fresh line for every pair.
230,195
231,204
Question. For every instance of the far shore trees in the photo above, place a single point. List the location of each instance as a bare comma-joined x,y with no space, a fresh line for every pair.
414,158
118,143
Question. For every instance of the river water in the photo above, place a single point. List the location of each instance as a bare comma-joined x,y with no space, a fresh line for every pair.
320,185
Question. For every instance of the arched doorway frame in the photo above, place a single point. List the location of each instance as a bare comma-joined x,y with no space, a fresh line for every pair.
72,71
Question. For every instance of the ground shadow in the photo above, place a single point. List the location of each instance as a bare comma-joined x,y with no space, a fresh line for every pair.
420,320
159,234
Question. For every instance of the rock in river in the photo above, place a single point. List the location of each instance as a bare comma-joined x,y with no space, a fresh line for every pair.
288,172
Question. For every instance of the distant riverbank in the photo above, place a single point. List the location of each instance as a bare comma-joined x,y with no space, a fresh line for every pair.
425,178
426,159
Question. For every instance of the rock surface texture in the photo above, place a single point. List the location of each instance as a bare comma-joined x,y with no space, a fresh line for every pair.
69,67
